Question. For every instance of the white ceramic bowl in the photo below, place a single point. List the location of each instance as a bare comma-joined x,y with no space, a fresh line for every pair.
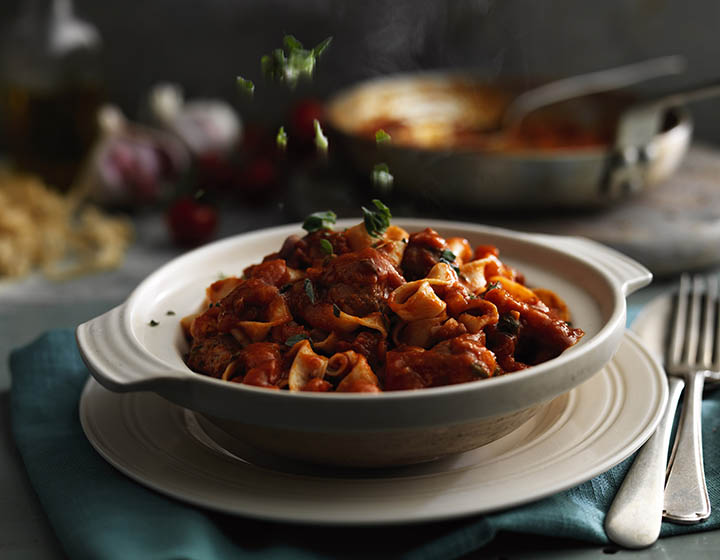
124,353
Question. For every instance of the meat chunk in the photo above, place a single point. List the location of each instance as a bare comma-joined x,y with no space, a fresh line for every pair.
213,354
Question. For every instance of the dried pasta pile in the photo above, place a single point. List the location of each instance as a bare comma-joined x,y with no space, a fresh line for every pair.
41,229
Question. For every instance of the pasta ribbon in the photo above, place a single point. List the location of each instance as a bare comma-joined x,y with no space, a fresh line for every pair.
516,290
277,314
354,371
305,366
418,300
219,289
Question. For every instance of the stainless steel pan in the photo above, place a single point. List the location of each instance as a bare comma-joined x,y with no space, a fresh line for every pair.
646,143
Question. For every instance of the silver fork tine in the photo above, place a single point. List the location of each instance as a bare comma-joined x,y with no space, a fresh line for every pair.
678,326
686,495
692,336
706,347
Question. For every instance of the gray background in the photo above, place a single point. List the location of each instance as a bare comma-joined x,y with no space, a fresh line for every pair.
204,44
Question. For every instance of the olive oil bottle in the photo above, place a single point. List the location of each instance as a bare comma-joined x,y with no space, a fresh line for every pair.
51,89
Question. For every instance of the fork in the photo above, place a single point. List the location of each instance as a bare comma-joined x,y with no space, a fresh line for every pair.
695,334
635,515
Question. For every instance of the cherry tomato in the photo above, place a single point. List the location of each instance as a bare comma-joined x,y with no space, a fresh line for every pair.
304,112
191,222
259,177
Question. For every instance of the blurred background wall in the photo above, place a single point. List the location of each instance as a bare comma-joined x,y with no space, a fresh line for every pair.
204,44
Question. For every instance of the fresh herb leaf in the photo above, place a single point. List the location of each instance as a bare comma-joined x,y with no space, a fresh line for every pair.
170,312
321,46
381,177
382,137
293,62
281,138
377,219
508,323
291,341
319,220
336,310
246,86
326,247
153,323
221,276
448,255
321,141
492,286
291,43
309,290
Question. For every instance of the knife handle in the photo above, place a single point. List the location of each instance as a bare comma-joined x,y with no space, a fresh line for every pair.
635,516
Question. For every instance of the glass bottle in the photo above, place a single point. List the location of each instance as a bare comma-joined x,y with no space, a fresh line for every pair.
50,74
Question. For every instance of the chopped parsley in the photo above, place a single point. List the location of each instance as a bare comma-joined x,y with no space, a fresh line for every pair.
153,323
492,286
309,290
377,219
326,247
281,138
291,341
293,61
246,86
321,141
336,310
170,312
381,177
319,220
382,137
221,276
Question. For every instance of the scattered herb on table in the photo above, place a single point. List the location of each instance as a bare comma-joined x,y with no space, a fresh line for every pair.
153,323
170,312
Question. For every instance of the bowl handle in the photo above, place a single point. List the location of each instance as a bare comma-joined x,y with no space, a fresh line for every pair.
629,273
116,359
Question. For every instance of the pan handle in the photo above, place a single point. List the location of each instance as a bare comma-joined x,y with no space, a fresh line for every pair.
627,167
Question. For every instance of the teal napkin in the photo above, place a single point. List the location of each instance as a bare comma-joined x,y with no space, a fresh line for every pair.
99,513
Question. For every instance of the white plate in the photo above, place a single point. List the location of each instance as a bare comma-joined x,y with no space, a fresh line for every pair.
574,438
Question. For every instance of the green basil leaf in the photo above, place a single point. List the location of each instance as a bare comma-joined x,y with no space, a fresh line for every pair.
377,219
319,220
326,247
309,290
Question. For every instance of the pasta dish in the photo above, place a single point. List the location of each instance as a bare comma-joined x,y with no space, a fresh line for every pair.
374,308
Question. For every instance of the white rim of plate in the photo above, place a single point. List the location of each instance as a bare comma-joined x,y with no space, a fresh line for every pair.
571,440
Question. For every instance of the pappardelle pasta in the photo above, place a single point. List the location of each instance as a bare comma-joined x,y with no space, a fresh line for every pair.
373,308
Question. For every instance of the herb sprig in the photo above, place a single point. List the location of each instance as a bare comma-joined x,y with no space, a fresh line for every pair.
319,220
293,61
377,219
381,177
